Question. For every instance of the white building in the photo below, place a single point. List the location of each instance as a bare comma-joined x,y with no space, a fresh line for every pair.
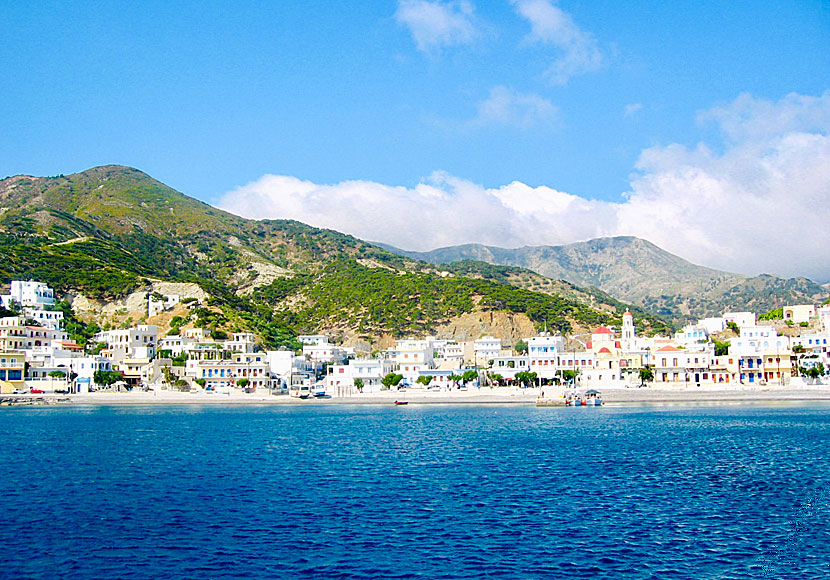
227,372
757,340
85,368
280,366
448,354
824,318
801,313
16,335
340,381
31,293
543,354
175,344
411,356
740,318
691,334
52,319
712,325
318,349
485,349
508,366
156,305
241,342
138,342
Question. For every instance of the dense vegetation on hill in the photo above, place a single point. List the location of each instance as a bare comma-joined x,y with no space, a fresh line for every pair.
107,231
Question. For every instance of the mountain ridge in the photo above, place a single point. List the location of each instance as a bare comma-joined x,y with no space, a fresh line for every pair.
635,270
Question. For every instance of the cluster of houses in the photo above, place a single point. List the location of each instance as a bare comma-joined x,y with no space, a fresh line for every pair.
37,356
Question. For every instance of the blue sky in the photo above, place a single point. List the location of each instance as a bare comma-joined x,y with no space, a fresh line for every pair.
403,103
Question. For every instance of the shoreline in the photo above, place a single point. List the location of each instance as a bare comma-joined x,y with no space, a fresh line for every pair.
497,396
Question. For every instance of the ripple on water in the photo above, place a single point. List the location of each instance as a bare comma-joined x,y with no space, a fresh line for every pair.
447,492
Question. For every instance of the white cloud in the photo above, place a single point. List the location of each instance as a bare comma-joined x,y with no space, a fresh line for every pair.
437,24
505,106
759,206
549,24
632,109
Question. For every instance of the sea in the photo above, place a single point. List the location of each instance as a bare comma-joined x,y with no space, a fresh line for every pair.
638,491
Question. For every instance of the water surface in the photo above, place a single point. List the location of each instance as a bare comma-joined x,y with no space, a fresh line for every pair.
416,492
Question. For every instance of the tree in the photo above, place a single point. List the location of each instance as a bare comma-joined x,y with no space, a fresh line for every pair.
455,378
201,382
721,347
424,380
57,374
358,384
242,383
520,347
646,375
799,349
569,376
528,379
496,378
181,384
106,378
391,380
774,314
733,327
469,376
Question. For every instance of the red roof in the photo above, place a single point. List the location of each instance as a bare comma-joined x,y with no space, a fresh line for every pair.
604,350
668,349
602,330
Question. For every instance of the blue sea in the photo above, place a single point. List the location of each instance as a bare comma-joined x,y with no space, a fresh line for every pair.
694,492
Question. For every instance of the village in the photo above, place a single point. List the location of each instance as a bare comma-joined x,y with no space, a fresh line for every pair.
37,357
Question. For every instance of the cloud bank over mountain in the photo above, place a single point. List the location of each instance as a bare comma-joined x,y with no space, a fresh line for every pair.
755,202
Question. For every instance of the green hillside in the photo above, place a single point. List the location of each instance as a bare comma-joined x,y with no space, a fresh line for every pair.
108,231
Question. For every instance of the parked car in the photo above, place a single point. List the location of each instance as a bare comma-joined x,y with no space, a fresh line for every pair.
18,392
37,391
61,391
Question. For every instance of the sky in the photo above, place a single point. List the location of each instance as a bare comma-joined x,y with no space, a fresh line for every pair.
702,127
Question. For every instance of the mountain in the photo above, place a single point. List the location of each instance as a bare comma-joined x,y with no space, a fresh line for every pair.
110,235
636,271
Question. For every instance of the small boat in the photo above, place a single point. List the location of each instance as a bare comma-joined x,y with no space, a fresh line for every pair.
592,397
401,402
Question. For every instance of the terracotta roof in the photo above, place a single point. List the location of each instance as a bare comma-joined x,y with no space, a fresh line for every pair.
602,330
669,349
604,350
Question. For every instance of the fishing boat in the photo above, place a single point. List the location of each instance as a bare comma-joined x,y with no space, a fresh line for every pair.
592,398
401,402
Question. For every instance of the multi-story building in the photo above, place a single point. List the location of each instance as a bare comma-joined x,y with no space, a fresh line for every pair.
31,293
508,366
485,349
543,353
411,356
12,367
16,335
800,313
138,342
227,372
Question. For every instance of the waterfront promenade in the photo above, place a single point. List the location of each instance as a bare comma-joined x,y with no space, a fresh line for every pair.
483,396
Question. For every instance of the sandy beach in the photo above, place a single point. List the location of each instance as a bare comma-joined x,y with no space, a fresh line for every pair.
485,396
